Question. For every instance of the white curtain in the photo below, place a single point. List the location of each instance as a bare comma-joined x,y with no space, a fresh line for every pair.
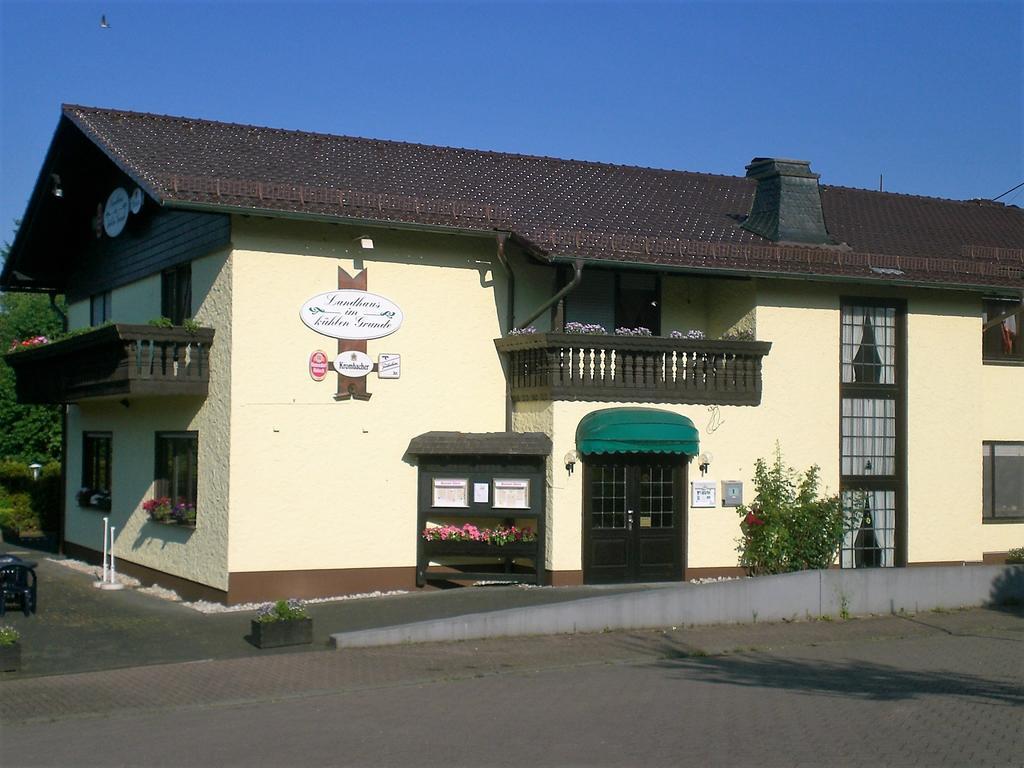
881,505
852,331
883,324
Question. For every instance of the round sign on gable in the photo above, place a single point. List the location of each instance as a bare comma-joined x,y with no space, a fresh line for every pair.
351,314
353,364
115,212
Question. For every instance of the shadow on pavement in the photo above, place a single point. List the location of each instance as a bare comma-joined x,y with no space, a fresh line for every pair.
859,679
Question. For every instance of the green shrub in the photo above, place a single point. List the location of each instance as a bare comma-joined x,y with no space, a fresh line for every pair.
788,527
18,515
15,476
1015,556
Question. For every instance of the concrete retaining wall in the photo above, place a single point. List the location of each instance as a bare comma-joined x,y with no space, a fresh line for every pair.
804,595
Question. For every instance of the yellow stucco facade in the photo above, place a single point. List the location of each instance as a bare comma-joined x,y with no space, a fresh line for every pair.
293,480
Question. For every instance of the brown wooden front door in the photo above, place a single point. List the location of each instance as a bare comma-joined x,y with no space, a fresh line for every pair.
633,519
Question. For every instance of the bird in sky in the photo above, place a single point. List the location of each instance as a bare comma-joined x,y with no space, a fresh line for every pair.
103,22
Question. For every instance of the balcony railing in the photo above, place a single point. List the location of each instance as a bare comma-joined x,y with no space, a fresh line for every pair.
114,361
560,366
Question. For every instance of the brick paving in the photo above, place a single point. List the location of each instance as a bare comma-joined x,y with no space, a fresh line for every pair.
934,689
938,688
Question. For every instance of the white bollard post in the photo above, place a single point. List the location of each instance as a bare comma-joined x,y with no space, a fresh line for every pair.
113,583
103,580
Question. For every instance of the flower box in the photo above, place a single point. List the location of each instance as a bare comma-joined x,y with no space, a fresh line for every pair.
275,634
479,549
10,657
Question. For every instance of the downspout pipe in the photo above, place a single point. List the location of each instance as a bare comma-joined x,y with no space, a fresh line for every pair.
502,238
58,311
62,506
577,266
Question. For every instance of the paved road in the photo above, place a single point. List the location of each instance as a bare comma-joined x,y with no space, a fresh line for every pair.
933,689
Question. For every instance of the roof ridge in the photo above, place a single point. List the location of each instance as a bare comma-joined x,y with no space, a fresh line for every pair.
973,201
84,110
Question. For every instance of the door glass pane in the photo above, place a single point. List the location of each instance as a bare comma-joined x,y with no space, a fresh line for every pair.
608,496
656,497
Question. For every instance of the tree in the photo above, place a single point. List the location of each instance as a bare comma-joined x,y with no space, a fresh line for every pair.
27,432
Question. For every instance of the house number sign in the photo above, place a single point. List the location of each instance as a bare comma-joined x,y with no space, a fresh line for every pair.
352,314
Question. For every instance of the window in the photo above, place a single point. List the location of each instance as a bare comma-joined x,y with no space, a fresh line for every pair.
177,462
872,344
616,300
96,461
99,308
176,293
1002,482
1002,340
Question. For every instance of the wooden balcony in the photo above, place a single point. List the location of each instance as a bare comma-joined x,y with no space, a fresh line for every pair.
561,366
115,361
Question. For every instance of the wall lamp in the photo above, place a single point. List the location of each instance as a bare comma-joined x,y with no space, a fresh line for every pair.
57,189
704,462
570,460
365,241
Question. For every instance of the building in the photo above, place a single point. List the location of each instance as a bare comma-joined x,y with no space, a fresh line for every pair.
337,366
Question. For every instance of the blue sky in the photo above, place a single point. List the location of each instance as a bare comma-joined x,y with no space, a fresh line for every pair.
928,94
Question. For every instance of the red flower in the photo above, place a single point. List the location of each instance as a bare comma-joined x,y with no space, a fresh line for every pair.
752,519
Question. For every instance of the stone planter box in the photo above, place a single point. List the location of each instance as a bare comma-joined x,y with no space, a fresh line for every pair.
10,658
275,634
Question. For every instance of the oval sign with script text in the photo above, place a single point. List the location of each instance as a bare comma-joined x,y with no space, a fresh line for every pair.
351,314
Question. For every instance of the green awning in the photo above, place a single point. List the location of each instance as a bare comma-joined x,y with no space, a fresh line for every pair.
636,430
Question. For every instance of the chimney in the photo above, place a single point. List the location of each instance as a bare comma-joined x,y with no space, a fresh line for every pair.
787,206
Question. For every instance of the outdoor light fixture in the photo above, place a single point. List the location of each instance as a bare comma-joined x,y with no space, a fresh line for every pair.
365,241
570,460
704,462
58,190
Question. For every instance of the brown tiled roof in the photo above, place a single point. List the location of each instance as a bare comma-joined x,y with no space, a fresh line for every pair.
563,208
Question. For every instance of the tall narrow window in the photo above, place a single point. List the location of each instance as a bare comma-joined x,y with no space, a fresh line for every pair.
96,470
176,293
870,442
177,467
99,308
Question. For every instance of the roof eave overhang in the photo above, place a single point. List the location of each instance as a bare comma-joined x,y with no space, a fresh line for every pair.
745,272
11,278
145,184
279,213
